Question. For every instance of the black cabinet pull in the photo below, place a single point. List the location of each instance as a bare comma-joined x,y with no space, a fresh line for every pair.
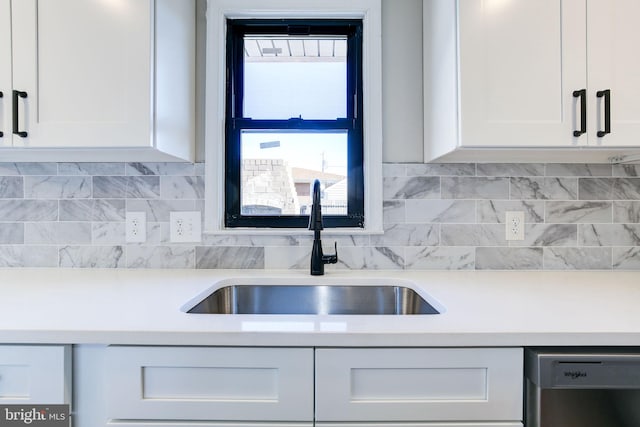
17,94
582,94
1,96
607,111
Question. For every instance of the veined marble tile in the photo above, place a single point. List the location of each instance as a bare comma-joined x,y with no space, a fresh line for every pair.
92,210
11,187
199,169
474,188
577,258
578,212
439,258
626,258
108,233
544,188
441,169
609,235
440,211
57,233
130,187
28,168
291,257
101,168
627,169
421,187
183,168
29,210
408,235
158,210
28,256
108,210
91,257
609,188
576,169
369,258
510,169
394,169
494,211
143,187
249,240
508,258
548,235
57,187
11,233
76,210
221,257
626,211
109,187
182,187
472,235
393,211
160,256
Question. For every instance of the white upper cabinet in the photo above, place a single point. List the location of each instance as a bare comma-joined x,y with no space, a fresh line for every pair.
5,72
515,74
109,79
614,65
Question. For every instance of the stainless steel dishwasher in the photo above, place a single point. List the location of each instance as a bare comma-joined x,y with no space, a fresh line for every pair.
582,387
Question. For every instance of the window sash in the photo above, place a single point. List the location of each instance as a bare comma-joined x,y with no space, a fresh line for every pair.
236,123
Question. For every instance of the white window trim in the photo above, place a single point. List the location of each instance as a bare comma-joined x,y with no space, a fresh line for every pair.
218,11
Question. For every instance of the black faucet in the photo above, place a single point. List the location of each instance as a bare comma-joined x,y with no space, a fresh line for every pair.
318,259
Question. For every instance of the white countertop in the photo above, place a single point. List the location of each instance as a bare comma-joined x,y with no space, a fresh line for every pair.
481,309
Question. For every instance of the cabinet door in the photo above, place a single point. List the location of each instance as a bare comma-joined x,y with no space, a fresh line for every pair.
86,68
417,385
519,63
35,375
223,384
613,36
5,73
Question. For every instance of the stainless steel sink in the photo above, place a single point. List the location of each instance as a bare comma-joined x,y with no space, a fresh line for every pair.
313,299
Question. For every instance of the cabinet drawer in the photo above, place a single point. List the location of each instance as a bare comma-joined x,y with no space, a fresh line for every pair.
419,384
35,375
193,383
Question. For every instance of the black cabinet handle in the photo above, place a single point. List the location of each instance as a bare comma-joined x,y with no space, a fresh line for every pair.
607,111
17,94
582,94
1,96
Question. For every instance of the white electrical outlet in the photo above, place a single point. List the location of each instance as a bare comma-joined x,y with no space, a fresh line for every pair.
185,227
136,227
514,225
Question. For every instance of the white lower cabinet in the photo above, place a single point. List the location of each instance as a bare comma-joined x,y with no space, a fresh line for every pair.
297,387
35,374
418,385
241,384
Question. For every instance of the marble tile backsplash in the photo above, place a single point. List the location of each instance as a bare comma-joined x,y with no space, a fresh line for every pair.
436,216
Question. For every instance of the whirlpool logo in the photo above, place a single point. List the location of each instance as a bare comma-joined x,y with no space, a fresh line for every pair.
574,375
34,415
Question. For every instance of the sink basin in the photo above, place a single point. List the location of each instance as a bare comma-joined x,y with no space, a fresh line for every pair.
314,299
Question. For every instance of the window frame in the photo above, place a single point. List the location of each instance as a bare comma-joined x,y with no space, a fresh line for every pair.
218,11
236,122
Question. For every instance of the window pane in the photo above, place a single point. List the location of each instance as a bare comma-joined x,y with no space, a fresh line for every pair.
287,77
277,170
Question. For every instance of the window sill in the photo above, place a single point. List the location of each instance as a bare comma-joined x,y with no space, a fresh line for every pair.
293,232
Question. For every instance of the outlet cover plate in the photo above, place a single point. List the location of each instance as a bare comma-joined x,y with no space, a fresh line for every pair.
136,227
514,225
185,227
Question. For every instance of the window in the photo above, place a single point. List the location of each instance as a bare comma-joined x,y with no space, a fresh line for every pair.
293,114
297,124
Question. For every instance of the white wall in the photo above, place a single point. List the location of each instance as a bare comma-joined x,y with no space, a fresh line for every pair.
402,107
